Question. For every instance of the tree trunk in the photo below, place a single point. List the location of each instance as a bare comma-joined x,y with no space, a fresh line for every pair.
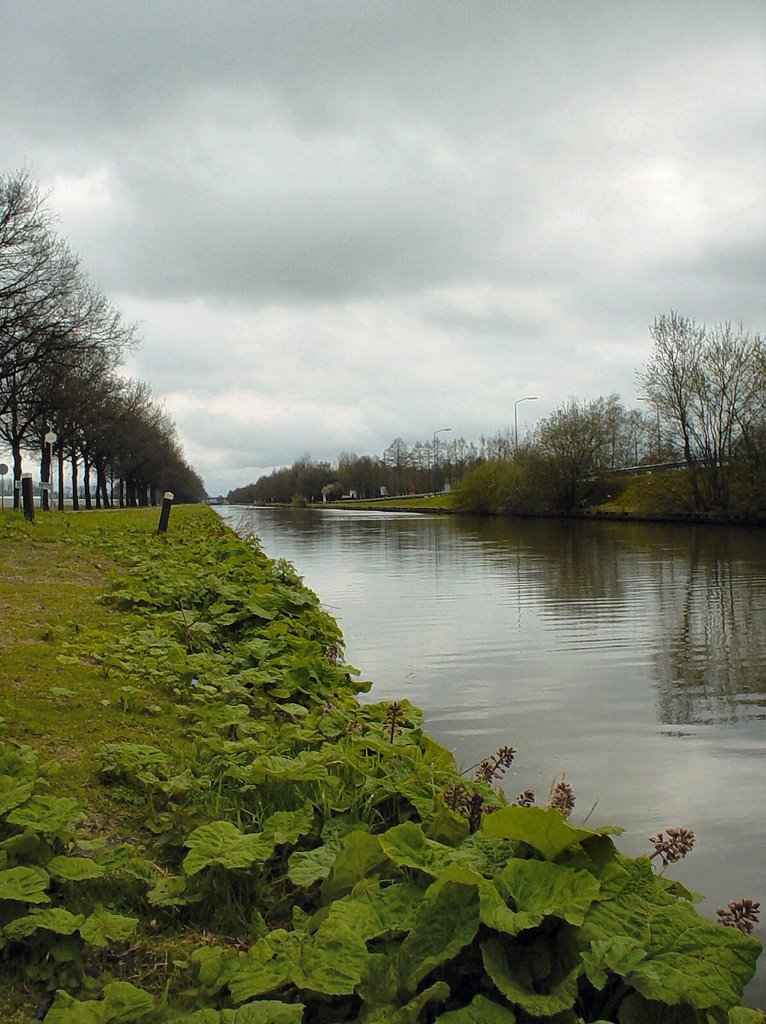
75,495
46,477
16,450
61,479
86,482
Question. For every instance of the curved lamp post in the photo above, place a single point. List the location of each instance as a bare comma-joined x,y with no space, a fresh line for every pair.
529,398
441,430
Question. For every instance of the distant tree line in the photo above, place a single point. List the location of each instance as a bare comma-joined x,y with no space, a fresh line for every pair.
62,344
704,414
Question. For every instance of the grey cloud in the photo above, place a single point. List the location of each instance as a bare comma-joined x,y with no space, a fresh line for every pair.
365,216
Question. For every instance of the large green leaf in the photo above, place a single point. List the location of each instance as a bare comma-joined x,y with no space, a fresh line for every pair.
221,842
103,927
74,869
289,826
330,962
494,910
637,1010
445,922
546,831
264,1011
305,868
171,891
216,965
538,979
376,910
25,884
18,771
479,1011
407,846
306,767
50,815
538,887
123,1003
410,1012
360,856
661,945
55,919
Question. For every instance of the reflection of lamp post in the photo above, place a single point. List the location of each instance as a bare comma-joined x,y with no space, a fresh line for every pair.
659,436
529,398
441,430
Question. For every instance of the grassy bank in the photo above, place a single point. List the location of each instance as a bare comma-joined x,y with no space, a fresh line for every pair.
200,824
417,503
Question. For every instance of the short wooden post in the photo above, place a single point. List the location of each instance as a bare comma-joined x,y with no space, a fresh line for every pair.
167,501
27,496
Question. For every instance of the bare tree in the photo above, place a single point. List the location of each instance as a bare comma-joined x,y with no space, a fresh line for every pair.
709,385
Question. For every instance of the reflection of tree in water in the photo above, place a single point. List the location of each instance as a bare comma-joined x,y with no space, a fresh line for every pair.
576,567
700,591
710,667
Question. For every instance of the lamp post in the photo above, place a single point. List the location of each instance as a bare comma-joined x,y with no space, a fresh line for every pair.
441,430
529,398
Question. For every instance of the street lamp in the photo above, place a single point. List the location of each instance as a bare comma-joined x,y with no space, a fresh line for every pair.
529,398
441,430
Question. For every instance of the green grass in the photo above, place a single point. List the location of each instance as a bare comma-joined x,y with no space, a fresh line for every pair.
51,582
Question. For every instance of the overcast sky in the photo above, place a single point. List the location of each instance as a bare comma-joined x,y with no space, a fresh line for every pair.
342,221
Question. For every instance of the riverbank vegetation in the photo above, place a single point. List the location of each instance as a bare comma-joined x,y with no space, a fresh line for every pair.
63,397
201,824
697,447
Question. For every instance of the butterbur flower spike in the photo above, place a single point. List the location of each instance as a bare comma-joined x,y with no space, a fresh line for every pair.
562,798
672,845
526,798
394,718
469,805
456,798
495,767
743,914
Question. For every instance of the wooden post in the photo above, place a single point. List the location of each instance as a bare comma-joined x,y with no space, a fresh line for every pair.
27,496
167,501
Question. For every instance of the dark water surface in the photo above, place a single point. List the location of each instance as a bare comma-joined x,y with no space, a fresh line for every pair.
630,658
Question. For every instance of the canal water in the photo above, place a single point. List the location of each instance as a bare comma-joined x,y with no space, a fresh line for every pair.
628,658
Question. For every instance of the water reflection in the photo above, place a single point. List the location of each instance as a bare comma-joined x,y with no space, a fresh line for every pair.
699,591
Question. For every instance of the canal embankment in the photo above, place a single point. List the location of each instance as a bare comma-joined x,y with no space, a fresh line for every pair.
198,814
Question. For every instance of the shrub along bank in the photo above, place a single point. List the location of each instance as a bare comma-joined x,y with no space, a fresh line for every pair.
201,824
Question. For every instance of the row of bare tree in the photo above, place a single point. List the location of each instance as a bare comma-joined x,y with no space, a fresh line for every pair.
62,345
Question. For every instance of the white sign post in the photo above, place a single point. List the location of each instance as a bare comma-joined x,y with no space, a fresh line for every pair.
3,471
50,439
